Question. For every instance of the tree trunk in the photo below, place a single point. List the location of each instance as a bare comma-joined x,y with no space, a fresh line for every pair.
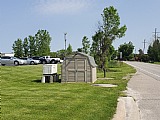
104,70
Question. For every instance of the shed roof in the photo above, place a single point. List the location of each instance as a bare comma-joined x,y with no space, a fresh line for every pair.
90,58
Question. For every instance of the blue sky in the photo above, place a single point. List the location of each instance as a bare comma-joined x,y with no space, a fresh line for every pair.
21,18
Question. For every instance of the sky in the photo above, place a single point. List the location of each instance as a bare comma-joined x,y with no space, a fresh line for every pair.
77,18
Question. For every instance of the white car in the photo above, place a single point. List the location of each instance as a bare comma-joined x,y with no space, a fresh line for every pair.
8,60
31,61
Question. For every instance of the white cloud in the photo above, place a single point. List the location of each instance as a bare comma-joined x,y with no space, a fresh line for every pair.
61,6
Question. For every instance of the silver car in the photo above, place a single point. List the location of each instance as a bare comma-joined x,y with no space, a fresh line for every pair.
31,61
8,60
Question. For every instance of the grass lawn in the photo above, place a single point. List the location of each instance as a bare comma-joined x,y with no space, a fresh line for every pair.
23,97
157,63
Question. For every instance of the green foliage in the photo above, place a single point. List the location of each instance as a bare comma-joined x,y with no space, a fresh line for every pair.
79,49
154,51
114,64
43,41
18,48
25,47
32,46
127,50
53,54
61,54
38,45
86,45
141,56
106,34
69,50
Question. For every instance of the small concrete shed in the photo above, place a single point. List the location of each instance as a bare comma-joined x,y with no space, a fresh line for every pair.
79,67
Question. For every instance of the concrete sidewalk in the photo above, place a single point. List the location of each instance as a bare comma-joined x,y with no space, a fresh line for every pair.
127,109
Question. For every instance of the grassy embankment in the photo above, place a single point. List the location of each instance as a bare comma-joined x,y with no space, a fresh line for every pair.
23,97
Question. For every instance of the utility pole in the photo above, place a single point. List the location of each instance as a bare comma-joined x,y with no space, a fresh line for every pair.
65,57
65,42
155,33
144,45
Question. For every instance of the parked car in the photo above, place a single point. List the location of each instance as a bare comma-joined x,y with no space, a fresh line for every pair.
49,60
9,60
31,61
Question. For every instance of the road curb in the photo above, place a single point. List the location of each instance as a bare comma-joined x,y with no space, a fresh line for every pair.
127,109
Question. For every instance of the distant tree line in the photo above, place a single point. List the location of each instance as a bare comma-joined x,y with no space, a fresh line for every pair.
154,51
37,45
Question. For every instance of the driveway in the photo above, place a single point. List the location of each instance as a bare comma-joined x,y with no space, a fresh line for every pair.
144,87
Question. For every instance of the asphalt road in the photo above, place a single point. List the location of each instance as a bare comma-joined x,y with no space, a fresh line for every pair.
144,87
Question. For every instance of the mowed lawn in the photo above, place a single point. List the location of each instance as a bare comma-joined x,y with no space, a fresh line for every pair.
23,97
157,63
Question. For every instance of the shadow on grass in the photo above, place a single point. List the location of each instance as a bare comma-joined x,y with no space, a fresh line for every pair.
37,81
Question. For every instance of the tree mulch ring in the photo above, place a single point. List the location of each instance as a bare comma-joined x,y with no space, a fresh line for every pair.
104,85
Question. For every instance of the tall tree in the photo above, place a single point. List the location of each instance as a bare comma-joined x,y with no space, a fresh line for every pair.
25,47
86,45
43,41
18,48
127,50
32,46
69,50
96,48
107,33
154,51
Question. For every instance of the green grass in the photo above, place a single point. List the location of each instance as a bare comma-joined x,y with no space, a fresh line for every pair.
157,63
23,97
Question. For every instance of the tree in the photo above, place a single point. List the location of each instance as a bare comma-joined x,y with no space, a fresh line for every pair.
96,48
38,45
61,54
53,54
25,47
142,57
140,52
112,53
106,34
86,45
69,50
79,49
18,48
32,46
154,51
43,41
127,50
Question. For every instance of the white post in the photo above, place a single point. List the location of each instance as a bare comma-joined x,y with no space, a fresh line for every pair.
43,79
